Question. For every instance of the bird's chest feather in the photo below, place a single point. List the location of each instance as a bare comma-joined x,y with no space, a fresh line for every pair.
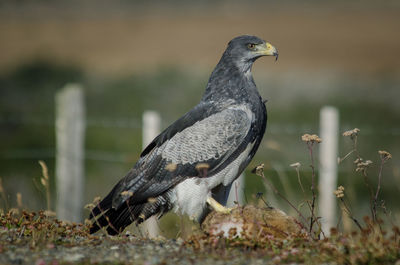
189,197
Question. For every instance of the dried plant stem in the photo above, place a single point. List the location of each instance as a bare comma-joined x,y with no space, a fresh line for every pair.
302,188
387,214
96,221
3,195
314,196
46,183
299,180
365,177
375,201
280,195
371,192
348,212
346,156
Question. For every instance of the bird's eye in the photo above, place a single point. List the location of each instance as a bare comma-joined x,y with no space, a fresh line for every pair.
251,46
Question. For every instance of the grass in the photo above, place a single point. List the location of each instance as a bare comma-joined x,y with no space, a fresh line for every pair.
376,241
369,246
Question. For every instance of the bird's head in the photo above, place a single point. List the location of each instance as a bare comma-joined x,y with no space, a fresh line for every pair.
248,48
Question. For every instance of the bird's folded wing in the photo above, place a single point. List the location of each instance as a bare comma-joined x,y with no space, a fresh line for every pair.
210,143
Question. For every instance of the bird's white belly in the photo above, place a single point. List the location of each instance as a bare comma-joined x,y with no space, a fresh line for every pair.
190,196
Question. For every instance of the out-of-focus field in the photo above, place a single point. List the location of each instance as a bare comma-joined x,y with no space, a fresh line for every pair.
356,38
134,57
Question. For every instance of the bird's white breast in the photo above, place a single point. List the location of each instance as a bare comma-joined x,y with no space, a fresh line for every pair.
189,197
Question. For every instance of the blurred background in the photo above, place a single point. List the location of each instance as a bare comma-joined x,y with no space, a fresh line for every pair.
132,56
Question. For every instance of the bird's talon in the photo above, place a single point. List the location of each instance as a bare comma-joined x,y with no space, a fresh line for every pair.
218,207
225,210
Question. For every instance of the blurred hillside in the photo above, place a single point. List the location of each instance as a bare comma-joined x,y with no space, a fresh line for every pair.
132,56
132,36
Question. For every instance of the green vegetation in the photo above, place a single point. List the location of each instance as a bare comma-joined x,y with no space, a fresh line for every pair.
113,143
113,135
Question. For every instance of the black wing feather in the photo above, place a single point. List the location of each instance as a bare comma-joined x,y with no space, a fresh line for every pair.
149,177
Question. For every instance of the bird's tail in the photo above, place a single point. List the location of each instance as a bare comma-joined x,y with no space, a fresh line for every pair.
115,220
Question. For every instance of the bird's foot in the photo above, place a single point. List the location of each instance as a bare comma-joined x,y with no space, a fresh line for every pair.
217,206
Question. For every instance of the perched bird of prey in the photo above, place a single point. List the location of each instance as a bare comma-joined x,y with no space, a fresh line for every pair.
193,162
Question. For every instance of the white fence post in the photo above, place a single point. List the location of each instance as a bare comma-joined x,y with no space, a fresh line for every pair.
329,129
70,135
151,128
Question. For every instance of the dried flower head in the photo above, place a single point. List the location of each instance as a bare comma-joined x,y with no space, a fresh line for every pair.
385,155
89,206
296,165
96,200
311,138
352,133
14,211
19,200
88,222
258,170
45,171
339,193
361,165
43,181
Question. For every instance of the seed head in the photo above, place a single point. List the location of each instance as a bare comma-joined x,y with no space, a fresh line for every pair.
385,155
19,200
45,171
258,170
96,200
362,166
296,165
89,206
339,193
352,133
308,138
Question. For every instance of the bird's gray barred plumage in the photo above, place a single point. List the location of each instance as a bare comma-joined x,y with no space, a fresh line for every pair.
207,139
222,132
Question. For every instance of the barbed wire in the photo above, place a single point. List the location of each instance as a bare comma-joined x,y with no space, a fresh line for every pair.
134,123
278,129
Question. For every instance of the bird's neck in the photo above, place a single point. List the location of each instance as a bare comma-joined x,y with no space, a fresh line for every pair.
231,81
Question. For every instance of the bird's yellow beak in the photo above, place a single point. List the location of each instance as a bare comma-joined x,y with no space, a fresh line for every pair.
267,50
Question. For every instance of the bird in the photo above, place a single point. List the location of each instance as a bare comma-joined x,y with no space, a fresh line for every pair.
190,166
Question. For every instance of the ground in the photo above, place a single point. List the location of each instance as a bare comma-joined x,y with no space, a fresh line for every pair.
38,238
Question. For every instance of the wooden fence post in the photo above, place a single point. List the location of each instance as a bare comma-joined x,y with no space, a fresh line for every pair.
329,129
70,135
151,128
